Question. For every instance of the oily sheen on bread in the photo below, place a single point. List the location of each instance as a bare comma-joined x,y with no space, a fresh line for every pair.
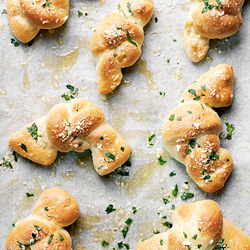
74,126
27,17
198,225
191,130
43,229
117,41
210,19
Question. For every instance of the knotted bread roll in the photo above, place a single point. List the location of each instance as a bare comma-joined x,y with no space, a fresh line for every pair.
43,229
77,125
198,225
191,131
117,41
210,19
27,17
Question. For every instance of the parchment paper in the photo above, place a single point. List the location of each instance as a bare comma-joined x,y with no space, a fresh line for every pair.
34,77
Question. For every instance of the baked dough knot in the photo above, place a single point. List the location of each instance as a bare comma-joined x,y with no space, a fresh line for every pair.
77,126
210,19
27,17
198,225
191,131
117,41
43,229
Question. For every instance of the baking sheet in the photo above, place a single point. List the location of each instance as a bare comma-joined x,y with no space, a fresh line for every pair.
34,77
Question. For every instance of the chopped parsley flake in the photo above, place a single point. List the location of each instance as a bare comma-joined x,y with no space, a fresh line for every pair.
130,40
128,221
110,156
61,237
129,8
207,6
203,87
166,201
134,210
195,237
151,137
192,91
73,92
179,118
37,228
23,146
167,224
105,243
50,238
221,245
175,191
172,174
23,246
125,232
196,98
4,11
29,195
79,13
230,129
156,20
161,161
171,118
33,131
187,195
14,42
185,235
161,242
6,163
110,208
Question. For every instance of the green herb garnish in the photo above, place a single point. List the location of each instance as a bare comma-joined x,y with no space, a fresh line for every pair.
23,146
110,156
29,195
171,118
33,131
175,191
61,237
130,40
161,161
110,208
172,174
129,8
14,42
105,243
230,129
187,195
50,238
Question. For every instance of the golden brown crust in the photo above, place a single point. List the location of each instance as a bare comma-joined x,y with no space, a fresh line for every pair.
217,23
40,151
78,125
62,207
117,41
27,17
46,232
191,131
199,223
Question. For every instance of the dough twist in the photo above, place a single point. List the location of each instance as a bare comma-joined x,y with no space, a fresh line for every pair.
27,17
199,225
117,41
43,229
210,19
77,126
191,131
